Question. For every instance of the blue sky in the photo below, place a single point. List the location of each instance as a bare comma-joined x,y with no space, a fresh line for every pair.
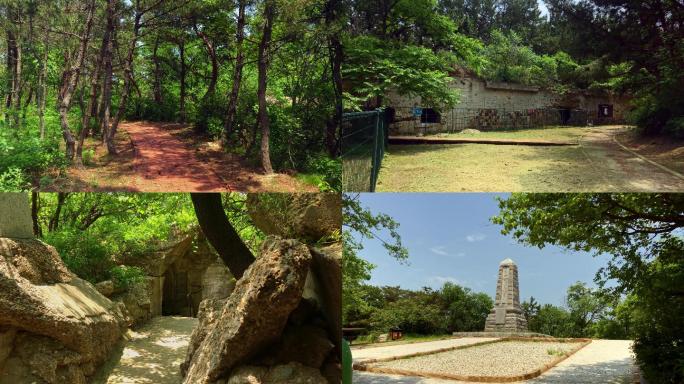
450,238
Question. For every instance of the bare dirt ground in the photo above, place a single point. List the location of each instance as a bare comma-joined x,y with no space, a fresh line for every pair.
153,355
166,157
602,361
596,164
664,150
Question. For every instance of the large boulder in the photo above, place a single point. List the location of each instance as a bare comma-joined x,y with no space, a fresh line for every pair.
254,315
305,216
54,327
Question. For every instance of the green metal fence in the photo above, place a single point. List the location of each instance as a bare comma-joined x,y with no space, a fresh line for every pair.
364,138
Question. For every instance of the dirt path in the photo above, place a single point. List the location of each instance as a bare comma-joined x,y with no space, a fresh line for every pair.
153,355
602,361
597,164
168,157
622,169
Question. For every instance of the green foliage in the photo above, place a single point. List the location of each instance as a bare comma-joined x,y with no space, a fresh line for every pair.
125,277
427,312
23,154
507,59
375,67
325,173
643,233
551,320
86,256
410,315
13,180
360,222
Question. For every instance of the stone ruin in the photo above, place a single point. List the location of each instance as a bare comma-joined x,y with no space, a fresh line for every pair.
181,273
282,322
54,327
507,315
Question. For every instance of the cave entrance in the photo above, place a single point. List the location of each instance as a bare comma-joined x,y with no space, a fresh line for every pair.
175,298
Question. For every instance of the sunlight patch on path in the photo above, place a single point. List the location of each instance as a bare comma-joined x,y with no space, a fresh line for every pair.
153,354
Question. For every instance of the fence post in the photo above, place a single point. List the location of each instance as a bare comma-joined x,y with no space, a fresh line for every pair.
374,170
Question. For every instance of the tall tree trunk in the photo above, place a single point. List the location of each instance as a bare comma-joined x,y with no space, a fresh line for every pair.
108,50
237,75
181,112
70,79
264,60
211,50
128,82
333,134
42,87
92,98
18,84
53,225
35,210
11,78
157,90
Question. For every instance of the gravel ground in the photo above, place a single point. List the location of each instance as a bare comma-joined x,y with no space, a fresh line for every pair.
507,358
363,354
602,361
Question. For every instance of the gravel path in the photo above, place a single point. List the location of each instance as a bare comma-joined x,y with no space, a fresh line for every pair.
508,358
361,355
602,361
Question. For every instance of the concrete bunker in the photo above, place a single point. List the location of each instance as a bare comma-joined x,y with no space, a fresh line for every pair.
182,273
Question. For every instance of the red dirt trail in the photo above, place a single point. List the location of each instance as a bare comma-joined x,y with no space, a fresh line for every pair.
167,157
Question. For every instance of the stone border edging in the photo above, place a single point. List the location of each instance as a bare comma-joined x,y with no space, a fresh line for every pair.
364,366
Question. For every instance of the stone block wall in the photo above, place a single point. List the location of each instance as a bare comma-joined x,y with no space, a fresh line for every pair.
488,106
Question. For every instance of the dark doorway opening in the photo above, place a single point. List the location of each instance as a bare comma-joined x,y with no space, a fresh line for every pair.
429,115
175,299
605,111
565,115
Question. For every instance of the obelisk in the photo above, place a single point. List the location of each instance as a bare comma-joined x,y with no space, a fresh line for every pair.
507,315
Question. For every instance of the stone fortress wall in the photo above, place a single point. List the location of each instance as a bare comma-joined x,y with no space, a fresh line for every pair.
487,105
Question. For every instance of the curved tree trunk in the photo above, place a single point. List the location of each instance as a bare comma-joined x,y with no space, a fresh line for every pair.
220,232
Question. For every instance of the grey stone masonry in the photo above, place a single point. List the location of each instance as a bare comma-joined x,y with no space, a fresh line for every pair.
507,315
15,216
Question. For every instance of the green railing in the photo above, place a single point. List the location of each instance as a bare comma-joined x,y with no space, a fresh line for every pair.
364,138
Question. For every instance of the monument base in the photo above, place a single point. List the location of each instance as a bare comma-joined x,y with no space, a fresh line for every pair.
501,334
508,321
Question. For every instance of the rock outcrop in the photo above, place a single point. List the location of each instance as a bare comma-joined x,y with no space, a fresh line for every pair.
282,323
255,314
54,327
305,216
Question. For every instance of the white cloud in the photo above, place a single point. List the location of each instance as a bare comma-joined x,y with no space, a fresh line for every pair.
475,237
440,280
439,250
442,251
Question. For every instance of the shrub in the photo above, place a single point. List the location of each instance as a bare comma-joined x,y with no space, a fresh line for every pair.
13,180
125,277
84,255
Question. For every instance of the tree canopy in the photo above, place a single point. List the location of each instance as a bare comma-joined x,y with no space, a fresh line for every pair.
619,46
644,235
263,77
